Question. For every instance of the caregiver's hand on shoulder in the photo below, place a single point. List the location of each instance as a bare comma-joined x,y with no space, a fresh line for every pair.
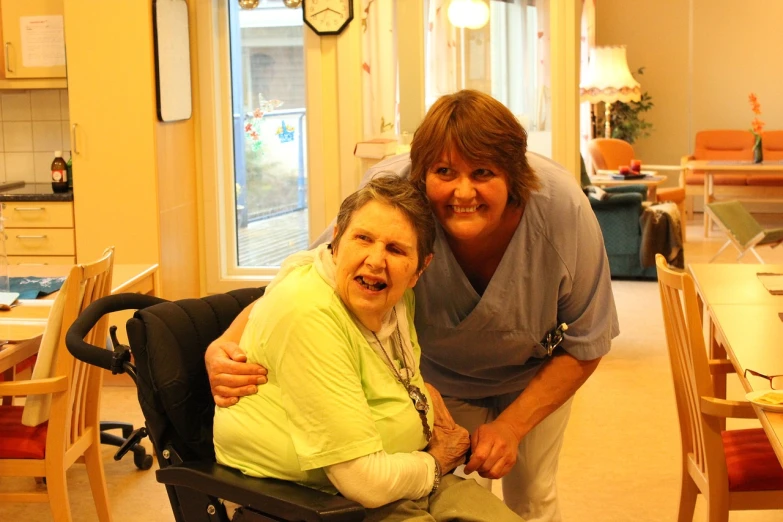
230,375
493,450
448,446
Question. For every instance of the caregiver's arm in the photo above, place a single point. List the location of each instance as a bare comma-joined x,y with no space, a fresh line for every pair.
494,445
230,375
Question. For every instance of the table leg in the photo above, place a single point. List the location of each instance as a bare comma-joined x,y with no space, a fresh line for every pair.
652,193
8,376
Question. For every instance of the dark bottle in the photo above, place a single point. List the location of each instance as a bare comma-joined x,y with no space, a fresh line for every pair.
59,173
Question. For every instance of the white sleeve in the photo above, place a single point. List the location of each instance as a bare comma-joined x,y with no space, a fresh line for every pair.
379,478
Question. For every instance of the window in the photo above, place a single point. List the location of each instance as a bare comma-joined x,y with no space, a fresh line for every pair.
253,140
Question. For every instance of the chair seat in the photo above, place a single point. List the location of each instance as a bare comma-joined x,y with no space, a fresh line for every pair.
18,441
751,462
674,194
697,178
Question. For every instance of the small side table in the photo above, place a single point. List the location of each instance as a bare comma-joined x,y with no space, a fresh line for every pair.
651,181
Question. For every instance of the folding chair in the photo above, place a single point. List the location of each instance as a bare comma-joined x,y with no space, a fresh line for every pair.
743,231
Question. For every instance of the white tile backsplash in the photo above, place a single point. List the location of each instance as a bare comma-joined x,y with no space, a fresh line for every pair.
16,106
47,136
43,166
20,166
66,135
45,105
33,124
18,136
64,112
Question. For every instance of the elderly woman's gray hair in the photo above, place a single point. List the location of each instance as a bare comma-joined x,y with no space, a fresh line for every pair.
400,194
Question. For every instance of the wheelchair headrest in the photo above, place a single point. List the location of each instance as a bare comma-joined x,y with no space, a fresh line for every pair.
168,341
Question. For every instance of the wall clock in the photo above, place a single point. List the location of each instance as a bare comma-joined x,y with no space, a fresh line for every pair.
327,17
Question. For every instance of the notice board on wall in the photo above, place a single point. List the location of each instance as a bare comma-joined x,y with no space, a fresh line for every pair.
172,59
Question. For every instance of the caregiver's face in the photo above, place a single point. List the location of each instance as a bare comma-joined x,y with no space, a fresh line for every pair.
376,262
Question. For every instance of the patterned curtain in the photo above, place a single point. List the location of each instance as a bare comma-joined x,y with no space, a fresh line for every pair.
585,109
440,53
379,66
542,116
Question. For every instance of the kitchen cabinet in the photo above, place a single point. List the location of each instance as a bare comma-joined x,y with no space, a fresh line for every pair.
111,99
39,232
31,41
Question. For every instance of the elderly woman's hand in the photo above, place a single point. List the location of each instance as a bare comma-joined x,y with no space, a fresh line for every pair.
494,450
448,446
230,376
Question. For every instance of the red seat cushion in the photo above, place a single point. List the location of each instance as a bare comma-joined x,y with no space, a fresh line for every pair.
768,180
18,441
675,194
697,178
751,462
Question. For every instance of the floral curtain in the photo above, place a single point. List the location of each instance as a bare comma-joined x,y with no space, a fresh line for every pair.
587,41
379,69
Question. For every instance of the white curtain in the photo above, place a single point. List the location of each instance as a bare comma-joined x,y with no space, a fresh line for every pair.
441,52
587,41
379,66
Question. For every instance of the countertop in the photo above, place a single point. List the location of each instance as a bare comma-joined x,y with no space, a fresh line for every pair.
23,191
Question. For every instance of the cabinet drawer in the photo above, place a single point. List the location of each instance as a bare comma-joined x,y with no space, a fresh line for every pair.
40,242
41,260
28,214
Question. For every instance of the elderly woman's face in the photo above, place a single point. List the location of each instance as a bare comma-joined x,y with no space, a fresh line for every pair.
376,262
468,200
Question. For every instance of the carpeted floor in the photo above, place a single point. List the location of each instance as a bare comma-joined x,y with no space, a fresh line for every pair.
620,461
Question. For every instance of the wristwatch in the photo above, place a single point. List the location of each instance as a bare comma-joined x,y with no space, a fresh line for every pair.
436,481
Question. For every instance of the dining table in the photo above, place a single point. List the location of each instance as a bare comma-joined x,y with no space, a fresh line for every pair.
744,325
22,325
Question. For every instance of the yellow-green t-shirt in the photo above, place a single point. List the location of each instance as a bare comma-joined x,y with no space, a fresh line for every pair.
330,397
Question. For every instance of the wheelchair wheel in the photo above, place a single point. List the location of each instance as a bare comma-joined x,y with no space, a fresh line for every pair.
142,460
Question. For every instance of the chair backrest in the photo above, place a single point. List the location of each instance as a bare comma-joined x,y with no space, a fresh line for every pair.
700,434
168,341
609,153
76,412
772,145
737,221
723,145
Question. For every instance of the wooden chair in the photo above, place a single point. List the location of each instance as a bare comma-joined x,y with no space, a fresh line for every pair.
72,430
610,153
734,470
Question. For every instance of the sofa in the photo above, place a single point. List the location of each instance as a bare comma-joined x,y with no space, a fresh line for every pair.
736,145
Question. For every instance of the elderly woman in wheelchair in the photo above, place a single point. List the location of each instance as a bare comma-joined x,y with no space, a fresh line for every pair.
346,409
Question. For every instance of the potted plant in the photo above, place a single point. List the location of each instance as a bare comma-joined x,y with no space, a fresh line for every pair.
627,122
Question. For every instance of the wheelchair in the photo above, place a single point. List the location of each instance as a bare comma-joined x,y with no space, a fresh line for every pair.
167,340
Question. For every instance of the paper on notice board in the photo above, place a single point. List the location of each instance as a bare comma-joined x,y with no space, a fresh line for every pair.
43,42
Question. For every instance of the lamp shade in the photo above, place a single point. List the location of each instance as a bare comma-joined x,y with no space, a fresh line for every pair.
607,78
470,14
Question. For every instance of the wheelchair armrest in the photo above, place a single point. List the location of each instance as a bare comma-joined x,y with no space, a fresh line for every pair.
277,498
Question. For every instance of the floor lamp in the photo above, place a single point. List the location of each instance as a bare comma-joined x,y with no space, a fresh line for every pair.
607,79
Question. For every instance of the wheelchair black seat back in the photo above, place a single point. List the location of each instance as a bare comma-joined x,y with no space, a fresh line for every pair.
167,340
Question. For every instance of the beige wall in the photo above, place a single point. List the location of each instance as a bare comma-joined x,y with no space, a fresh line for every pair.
736,50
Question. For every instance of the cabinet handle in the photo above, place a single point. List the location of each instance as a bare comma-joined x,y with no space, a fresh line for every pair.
43,236
29,209
7,64
73,139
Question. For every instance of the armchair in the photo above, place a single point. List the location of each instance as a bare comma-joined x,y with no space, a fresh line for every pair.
168,340
609,154
618,216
